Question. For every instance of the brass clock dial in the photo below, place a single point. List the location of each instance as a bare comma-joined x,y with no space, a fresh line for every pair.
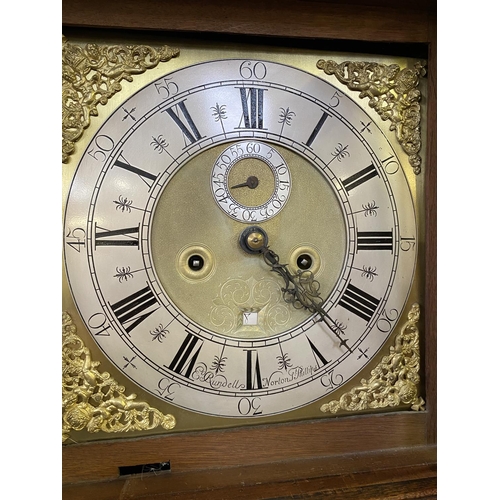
153,227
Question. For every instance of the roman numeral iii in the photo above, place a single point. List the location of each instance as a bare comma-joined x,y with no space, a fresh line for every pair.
374,240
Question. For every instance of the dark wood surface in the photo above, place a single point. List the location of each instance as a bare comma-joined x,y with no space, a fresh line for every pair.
362,20
403,473
385,456
247,446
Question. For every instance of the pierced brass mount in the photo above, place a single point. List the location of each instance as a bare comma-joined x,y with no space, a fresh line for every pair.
393,93
91,75
93,400
394,381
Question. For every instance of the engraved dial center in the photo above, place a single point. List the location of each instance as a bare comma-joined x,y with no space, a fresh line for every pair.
203,267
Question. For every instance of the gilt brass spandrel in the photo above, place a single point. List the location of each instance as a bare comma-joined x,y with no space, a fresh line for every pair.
92,400
394,381
392,92
91,75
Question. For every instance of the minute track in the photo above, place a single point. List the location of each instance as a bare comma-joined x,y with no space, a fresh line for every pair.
284,369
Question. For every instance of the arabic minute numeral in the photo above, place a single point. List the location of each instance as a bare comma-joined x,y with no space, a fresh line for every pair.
251,69
331,379
166,388
77,237
391,165
104,145
166,88
407,244
335,99
384,324
247,406
98,322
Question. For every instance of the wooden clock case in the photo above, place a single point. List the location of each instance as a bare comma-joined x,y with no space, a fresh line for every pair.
378,456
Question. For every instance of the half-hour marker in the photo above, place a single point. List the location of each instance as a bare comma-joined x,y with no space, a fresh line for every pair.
219,362
359,177
285,118
359,302
125,273
219,114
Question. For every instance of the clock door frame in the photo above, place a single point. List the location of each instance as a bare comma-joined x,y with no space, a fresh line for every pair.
355,456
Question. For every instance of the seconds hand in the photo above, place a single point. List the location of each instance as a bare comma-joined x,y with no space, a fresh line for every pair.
301,289
252,182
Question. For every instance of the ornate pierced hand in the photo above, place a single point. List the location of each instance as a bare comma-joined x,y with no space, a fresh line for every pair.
301,289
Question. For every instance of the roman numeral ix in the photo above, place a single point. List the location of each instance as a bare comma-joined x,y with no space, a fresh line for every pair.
106,237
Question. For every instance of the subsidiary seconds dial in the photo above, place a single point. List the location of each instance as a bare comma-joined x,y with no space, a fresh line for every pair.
250,181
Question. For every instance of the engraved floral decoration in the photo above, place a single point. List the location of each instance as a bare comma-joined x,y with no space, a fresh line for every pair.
394,381
393,93
237,296
91,75
93,400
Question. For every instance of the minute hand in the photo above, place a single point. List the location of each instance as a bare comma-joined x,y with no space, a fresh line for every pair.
302,291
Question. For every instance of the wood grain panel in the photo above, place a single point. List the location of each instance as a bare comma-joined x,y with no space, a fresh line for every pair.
294,18
351,476
430,307
246,446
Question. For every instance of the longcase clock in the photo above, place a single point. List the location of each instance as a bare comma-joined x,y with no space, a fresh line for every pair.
246,234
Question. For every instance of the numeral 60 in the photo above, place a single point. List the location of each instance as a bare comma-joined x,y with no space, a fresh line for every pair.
249,69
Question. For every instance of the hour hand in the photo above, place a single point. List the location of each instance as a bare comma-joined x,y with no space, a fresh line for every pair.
252,182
